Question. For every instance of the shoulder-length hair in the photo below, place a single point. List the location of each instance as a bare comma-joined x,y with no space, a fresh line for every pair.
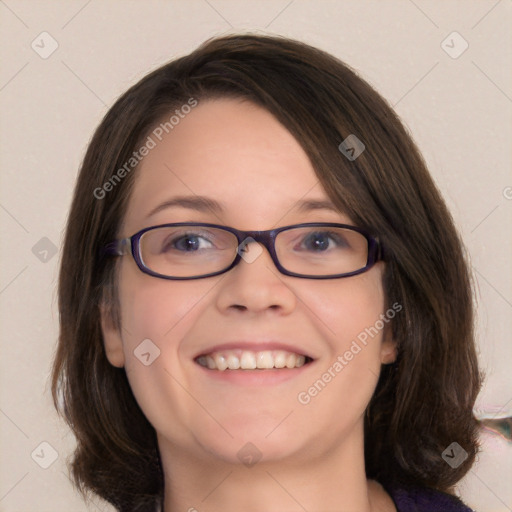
423,402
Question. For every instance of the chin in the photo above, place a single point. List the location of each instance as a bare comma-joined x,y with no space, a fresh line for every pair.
250,453
254,441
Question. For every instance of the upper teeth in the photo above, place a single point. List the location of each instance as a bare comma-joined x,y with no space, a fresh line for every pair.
248,360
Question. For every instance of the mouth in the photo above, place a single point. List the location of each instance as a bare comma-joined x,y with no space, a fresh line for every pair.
238,359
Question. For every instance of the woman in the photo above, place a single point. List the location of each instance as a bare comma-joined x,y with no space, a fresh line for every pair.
264,302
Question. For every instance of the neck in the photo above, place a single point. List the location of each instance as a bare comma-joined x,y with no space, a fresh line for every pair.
331,481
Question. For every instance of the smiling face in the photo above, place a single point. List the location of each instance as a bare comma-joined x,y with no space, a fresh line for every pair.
255,176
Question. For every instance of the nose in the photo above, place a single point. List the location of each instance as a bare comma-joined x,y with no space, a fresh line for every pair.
255,284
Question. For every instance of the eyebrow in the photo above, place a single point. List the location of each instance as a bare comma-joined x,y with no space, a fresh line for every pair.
198,203
206,204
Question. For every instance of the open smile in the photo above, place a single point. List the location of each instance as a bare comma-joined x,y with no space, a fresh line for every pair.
239,359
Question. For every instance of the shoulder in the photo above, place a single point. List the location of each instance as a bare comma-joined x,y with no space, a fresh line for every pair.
424,499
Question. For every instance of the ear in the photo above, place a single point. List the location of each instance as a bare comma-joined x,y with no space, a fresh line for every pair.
388,349
111,338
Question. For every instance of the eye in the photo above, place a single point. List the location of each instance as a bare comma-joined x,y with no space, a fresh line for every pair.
189,242
321,241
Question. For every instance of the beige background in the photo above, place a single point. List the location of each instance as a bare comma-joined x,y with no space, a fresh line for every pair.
458,110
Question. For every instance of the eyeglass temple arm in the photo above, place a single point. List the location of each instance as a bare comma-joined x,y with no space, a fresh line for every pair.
116,248
377,249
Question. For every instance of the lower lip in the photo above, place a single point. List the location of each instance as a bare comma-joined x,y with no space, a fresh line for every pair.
271,376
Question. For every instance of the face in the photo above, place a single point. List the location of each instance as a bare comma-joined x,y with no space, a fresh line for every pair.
238,155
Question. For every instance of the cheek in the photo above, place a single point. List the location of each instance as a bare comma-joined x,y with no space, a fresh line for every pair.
153,312
156,308
349,314
155,315
351,307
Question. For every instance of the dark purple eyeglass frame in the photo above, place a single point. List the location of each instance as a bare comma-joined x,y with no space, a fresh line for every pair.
266,238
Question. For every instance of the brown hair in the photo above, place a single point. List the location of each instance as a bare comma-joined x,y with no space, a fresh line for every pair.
423,402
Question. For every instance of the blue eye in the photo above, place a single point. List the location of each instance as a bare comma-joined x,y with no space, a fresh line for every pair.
320,241
186,243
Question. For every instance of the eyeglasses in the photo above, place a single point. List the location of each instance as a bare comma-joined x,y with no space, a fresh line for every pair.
195,250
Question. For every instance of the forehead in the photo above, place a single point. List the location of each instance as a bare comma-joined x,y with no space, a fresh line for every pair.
232,151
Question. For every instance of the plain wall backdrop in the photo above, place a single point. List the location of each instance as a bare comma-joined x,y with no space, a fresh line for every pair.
445,66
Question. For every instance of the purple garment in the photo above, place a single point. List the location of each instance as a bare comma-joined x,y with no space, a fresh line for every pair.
422,499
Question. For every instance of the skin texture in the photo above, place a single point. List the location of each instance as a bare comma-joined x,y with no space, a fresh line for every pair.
311,455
